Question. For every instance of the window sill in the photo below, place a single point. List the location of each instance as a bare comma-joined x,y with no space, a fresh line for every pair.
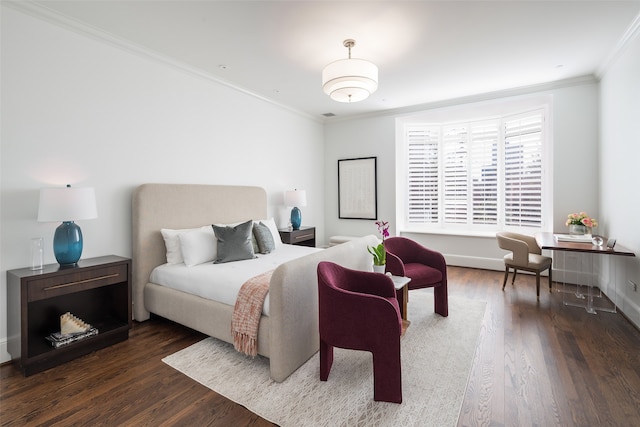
466,233
461,233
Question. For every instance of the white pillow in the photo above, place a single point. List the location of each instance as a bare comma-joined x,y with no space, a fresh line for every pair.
198,246
274,230
172,243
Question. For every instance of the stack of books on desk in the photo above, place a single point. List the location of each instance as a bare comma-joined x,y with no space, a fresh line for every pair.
578,238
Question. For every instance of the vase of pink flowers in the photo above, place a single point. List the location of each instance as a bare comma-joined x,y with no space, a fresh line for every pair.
580,223
379,252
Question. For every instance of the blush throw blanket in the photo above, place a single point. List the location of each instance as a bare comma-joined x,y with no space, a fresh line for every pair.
247,312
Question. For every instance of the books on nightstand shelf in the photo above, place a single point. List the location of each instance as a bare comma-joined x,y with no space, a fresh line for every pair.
72,329
58,339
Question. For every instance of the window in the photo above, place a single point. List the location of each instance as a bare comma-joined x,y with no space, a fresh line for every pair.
476,174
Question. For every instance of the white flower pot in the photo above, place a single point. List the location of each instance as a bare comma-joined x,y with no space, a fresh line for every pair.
379,268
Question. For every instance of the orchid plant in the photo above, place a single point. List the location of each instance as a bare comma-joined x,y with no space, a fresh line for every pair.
581,219
379,253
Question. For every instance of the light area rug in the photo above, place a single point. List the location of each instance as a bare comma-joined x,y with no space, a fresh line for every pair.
437,355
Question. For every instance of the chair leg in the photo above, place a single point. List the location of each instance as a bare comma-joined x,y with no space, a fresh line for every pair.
550,279
326,360
538,284
506,276
387,373
513,280
441,300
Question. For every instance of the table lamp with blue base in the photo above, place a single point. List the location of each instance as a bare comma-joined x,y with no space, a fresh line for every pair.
67,205
67,243
295,198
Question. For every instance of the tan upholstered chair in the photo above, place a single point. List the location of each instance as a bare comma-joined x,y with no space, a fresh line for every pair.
525,255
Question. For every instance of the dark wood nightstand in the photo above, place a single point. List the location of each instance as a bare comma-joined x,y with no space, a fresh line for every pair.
97,290
305,236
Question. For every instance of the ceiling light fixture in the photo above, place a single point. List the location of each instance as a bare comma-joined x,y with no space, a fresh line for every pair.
350,80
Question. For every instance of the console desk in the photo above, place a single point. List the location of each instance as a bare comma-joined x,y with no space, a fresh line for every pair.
549,241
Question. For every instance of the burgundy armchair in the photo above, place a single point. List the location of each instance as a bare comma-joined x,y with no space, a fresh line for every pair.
358,310
425,267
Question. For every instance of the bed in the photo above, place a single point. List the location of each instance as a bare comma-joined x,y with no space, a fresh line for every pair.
288,335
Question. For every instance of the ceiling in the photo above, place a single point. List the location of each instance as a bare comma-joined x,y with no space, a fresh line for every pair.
426,51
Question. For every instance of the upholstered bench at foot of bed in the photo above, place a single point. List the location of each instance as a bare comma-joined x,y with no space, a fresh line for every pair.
336,240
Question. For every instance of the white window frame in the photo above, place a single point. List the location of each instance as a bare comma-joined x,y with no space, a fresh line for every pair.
477,116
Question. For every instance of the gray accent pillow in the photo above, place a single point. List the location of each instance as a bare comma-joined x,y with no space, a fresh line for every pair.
234,243
263,236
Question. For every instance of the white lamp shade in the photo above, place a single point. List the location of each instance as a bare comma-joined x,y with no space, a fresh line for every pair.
67,204
350,80
295,198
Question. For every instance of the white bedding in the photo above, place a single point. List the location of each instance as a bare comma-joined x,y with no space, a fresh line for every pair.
222,282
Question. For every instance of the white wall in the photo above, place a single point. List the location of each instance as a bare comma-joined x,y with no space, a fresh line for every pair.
620,169
81,111
353,139
575,172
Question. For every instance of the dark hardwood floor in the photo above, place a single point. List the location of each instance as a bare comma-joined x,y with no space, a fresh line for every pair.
537,363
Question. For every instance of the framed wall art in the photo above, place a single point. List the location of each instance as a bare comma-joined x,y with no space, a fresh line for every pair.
357,188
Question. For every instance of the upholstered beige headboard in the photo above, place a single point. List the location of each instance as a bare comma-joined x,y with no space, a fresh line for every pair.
176,206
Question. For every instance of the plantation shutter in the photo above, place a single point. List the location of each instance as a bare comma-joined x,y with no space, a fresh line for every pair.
455,178
484,172
423,194
523,170
477,175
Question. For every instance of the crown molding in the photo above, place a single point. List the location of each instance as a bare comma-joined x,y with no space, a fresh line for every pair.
42,12
631,33
488,96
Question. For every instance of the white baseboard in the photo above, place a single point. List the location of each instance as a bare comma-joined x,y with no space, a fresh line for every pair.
474,262
4,354
631,311
626,306
477,262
